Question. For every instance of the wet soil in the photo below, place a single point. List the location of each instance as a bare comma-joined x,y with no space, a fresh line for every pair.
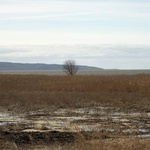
23,138
63,125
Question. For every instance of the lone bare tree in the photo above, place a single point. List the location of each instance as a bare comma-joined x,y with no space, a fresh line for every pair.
70,67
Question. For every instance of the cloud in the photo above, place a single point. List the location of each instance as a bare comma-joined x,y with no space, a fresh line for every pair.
60,16
106,56
64,37
77,50
52,10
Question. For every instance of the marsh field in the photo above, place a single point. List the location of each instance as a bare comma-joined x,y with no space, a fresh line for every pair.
83,112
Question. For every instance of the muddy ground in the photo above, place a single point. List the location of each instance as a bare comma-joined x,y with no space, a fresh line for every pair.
63,126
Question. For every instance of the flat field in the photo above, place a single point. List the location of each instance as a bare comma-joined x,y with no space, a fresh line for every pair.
75,112
80,72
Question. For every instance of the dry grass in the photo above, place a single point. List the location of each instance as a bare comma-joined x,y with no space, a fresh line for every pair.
126,91
33,92
109,144
117,144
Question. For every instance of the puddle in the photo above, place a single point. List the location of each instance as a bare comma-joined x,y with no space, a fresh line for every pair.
86,119
3,115
144,130
144,136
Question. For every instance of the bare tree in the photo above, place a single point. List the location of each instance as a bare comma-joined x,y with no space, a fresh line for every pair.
70,67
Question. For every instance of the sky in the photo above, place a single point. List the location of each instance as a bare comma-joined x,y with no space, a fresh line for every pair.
110,34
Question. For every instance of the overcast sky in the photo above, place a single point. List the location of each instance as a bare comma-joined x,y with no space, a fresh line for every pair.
103,33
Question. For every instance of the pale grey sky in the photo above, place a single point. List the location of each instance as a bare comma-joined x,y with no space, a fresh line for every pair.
108,34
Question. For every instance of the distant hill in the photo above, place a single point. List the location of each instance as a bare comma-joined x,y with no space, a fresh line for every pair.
39,66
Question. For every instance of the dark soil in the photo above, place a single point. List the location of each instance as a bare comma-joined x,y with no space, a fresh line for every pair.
24,138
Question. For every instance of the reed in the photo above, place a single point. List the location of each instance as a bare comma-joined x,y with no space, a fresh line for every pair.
27,92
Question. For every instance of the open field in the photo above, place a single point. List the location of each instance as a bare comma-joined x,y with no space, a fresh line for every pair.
80,72
75,112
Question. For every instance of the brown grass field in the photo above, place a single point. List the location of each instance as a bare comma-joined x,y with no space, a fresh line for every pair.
20,94
34,91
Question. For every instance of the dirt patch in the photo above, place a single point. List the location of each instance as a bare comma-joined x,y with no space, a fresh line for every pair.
98,119
23,138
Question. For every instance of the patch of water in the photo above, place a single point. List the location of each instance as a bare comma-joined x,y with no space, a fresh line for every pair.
144,136
6,119
144,130
83,119
3,115
118,119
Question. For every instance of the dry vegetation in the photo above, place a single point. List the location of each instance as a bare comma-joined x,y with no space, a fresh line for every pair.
22,93
109,144
34,91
